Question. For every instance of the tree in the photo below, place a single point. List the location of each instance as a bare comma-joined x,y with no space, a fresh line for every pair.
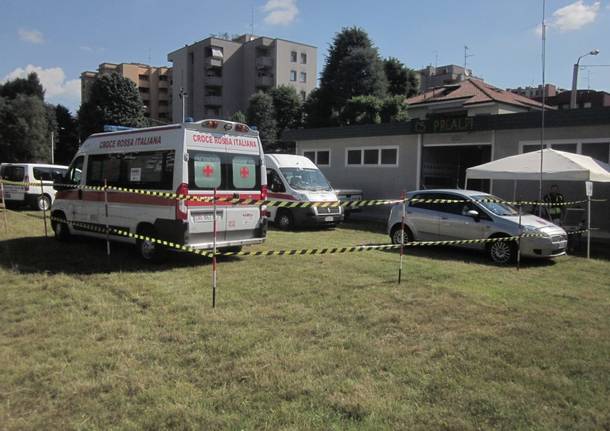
262,115
288,108
394,110
66,136
29,86
353,68
317,109
362,110
402,81
113,99
239,117
24,129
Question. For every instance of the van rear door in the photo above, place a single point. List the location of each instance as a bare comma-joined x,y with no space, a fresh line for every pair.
206,172
244,182
16,173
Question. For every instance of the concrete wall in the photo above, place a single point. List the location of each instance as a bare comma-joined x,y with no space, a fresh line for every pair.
377,181
388,182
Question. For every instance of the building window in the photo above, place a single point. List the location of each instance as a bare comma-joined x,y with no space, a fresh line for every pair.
293,56
587,105
144,90
371,156
303,77
319,157
293,75
303,58
143,77
162,77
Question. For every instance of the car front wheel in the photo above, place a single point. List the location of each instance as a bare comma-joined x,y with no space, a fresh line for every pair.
502,252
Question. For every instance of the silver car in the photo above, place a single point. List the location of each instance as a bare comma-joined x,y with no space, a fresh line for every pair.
473,219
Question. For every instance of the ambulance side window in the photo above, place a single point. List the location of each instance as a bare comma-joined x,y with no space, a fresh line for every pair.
245,172
76,170
275,182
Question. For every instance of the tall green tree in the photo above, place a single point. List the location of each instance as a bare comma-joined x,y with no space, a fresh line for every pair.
261,114
66,136
29,86
353,68
239,117
317,109
114,100
402,81
24,129
288,107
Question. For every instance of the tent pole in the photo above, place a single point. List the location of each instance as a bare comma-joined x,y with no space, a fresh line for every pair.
466,183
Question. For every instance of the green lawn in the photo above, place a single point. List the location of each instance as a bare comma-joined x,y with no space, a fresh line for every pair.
306,342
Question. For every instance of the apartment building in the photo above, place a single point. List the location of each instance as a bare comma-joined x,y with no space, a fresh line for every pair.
431,76
550,90
153,83
219,75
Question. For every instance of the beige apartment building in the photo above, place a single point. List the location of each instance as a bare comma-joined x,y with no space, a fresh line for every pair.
219,75
153,83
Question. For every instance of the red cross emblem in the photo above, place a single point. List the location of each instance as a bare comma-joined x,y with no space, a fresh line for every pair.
208,171
244,172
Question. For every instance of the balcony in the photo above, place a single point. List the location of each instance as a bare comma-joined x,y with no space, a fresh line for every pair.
212,100
264,81
213,81
264,62
213,62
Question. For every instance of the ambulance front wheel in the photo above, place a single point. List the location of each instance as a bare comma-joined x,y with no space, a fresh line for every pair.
284,219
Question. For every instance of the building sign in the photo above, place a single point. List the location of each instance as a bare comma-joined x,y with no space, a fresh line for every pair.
444,125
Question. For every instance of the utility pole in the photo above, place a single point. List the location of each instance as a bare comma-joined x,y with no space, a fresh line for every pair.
52,147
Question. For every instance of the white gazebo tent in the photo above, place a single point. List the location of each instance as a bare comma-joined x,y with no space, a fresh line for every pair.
556,166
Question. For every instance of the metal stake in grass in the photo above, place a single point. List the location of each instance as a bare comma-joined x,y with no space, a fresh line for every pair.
106,212
214,252
519,240
44,209
3,206
402,237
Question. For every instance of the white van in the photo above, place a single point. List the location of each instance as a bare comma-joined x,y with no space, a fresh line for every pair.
297,178
189,159
36,196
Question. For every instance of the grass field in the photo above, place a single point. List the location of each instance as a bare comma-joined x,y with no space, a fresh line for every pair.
313,342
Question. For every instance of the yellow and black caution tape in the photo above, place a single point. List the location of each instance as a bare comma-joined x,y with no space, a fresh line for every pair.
294,252
296,204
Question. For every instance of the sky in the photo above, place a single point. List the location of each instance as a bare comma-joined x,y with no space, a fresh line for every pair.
60,39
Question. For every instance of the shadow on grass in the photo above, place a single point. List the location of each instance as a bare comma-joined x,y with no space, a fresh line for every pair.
83,255
467,255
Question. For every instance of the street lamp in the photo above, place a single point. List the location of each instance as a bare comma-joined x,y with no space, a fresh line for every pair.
575,78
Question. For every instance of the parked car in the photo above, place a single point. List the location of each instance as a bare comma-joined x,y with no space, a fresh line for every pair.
347,195
474,219
296,178
36,195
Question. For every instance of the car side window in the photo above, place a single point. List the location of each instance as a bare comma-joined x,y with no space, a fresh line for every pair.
425,201
275,182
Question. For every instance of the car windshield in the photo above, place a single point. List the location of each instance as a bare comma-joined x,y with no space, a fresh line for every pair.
305,179
498,208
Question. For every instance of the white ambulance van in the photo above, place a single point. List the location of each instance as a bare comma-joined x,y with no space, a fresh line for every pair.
37,192
297,178
191,159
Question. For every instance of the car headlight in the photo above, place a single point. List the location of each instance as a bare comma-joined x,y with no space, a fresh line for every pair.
529,230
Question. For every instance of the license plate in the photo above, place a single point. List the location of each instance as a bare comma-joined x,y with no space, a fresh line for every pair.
202,218
328,218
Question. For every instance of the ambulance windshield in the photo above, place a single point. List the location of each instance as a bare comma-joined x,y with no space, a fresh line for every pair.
306,179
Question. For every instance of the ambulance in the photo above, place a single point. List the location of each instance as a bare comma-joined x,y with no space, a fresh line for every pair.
296,178
194,159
